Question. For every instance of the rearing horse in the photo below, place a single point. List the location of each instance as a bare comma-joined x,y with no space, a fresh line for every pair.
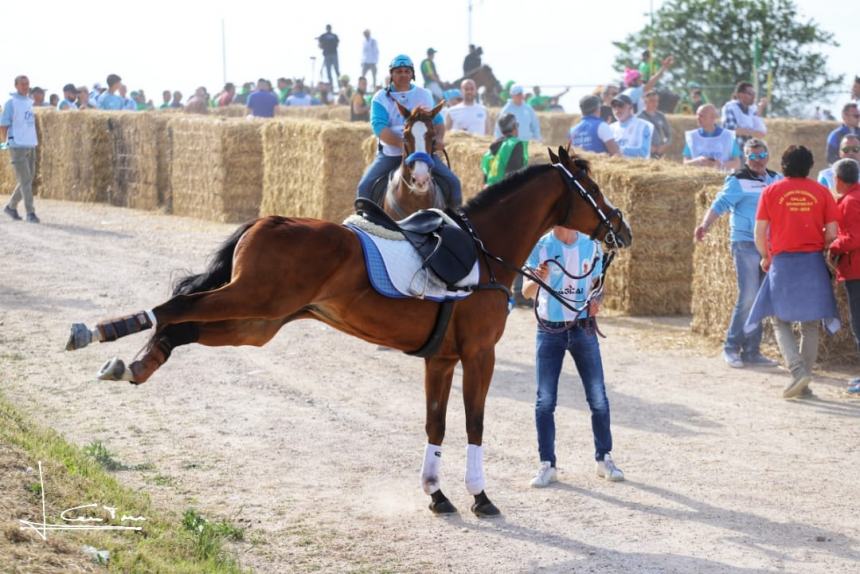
411,187
277,269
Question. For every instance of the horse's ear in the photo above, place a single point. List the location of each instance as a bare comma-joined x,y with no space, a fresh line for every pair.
552,157
403,111
562,153
437,108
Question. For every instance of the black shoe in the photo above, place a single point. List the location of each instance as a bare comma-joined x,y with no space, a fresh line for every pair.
32,218
13,213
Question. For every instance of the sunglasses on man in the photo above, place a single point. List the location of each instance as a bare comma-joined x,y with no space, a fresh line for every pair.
851,149
755,156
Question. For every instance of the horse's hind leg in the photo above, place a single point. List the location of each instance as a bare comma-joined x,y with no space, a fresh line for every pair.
158,349
477,374
438,374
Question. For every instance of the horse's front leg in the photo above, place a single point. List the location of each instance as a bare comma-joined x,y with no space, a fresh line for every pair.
438,373
477,374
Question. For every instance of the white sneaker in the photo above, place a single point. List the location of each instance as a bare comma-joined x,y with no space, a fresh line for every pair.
606,469
546,474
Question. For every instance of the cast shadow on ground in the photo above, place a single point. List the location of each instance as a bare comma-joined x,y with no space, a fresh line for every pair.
514,380
594,557
757,531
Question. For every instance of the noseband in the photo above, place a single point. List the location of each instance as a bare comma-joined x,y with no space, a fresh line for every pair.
611,238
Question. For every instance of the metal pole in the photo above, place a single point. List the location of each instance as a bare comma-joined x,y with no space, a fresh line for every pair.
470,22
223,50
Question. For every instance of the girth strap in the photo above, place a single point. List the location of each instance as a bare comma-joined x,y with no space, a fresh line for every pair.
437,335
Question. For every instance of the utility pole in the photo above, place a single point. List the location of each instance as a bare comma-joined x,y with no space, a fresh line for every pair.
470,21
223,50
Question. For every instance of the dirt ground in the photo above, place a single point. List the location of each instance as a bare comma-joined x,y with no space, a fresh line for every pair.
314,442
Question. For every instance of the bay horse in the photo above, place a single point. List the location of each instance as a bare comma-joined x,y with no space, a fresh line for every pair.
412,187
274,270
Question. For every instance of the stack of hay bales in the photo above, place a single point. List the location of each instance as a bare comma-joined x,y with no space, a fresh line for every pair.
782,133
654,275
340,113
75,161
231,111
164,160
216,172
135,139
311,168
715,290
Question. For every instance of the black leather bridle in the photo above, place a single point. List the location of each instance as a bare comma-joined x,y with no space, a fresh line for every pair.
612,240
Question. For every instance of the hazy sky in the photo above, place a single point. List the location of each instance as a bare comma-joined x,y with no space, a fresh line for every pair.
160,44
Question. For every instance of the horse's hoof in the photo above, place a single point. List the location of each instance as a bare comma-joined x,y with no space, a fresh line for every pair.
441,504
79,337
114,370
483,508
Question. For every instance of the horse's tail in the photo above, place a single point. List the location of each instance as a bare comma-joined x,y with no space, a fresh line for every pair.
220,267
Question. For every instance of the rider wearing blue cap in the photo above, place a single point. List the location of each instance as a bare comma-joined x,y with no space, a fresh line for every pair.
387,123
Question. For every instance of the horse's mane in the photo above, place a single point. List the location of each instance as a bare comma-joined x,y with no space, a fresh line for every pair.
498,191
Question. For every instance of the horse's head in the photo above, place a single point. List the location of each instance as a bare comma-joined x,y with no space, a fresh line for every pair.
588,210
418,141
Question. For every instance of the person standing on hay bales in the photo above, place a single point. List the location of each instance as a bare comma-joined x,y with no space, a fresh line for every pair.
369,57
710,145
431,78
845,250
387,123
848,148
592,133
739,196
359,105
850,123
18,135
328,43
795,222
632,135
576,265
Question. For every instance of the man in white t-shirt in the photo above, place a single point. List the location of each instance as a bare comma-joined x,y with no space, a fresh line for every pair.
468,116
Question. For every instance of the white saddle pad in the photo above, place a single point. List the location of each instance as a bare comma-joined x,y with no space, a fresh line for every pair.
394,266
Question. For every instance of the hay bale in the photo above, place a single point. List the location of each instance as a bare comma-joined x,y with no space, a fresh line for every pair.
783,132
135,139
715,291
216,167
654,275
164,160
311,168
76,156
679,124
326,113
231,111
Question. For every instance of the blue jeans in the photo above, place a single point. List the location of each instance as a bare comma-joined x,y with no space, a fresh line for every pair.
582,345
385,164
330,62
749,276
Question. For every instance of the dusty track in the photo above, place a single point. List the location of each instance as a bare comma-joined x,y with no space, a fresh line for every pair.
315,441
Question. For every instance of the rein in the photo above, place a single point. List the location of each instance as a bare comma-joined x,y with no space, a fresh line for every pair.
596,291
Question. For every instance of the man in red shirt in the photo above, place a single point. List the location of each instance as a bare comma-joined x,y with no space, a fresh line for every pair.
846,248
795,222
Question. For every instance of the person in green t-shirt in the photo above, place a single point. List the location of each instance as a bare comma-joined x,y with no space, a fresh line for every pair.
646,66
505,156
541,103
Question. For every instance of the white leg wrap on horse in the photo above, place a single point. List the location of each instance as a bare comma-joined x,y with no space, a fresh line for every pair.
475,469
430,468
151,316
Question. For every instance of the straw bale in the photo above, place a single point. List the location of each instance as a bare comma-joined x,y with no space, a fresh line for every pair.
654,275
679,124
134,138
164,160
715,291
216,167
231,111
340,113
784,132
76,156
311,168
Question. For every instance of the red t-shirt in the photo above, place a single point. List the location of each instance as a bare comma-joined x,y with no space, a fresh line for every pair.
797,209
